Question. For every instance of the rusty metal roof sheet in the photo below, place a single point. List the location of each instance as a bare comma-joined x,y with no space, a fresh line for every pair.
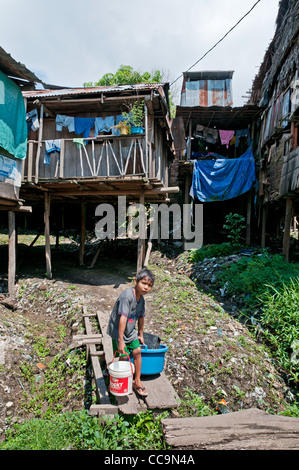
92,90
220,117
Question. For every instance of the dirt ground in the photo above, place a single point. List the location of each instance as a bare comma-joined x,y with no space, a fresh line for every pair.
210,353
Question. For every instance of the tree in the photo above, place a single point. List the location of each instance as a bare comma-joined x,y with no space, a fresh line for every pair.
126,75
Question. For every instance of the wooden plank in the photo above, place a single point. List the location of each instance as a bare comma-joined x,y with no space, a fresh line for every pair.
131,404
82,234
287,227
142,233
98,410
11,253
30,160
88,337
40,136
47,236
101,388
61,165
106,342
161,394
251,429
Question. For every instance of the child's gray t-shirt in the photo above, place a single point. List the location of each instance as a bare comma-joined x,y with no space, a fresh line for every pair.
127,305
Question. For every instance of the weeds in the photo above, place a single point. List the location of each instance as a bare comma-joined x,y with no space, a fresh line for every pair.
79,431
280,324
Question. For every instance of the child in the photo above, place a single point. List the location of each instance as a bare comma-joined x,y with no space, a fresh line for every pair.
129,309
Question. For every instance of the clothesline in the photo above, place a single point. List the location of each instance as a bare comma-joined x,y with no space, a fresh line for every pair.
212,135
78,125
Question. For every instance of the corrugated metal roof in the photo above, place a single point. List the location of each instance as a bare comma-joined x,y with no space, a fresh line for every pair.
220,117
15,69
91,90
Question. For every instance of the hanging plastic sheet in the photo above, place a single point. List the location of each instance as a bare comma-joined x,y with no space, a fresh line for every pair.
13,128
223,178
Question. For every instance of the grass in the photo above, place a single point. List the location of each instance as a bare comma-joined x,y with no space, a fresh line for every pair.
79,431
280,324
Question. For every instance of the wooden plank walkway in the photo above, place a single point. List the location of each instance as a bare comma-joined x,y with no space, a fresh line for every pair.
161,394
250,429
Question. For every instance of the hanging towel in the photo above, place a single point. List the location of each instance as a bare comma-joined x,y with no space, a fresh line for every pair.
226,136
65,121
84,125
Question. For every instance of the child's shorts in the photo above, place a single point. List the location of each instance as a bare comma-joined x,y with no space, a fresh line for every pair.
129,347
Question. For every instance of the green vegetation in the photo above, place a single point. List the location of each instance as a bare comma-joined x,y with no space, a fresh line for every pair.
79,431
267,288
126,75
250,277
211,251
234,226
280,324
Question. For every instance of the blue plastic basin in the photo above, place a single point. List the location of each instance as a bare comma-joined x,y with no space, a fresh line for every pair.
152,359
137,130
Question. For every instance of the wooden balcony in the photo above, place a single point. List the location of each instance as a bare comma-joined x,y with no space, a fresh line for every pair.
105,166
107,156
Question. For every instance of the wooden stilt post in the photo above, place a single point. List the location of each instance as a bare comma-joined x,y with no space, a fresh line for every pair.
142,232
83,234
287,227
47,235
248,219
11,254
264,221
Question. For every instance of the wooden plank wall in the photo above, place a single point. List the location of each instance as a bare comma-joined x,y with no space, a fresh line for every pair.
290,173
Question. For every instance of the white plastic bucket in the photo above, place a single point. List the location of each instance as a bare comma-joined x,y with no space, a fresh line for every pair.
121,377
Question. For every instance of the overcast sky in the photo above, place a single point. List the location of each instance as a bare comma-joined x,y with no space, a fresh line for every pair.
69,42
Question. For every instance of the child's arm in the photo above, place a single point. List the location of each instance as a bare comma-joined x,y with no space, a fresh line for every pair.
140,329
121,329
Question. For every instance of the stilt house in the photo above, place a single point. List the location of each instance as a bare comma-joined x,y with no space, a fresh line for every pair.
276,88
213,149
77,153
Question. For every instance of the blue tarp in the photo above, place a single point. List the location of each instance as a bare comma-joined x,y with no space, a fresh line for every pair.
223,178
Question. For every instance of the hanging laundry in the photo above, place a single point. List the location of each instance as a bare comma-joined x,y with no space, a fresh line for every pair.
32,120
83,126
79,142
51,146
242,133
208,134
226,136
211,135
103,124
65,121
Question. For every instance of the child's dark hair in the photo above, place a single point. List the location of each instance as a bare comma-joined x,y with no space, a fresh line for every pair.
145,273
